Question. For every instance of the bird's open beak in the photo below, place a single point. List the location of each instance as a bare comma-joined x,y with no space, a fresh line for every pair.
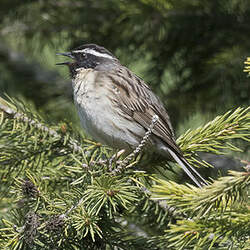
68,54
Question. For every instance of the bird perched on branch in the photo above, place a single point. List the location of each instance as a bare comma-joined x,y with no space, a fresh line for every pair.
116,107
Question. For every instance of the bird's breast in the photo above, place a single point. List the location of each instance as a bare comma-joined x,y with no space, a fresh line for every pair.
98,114
87,99
94,108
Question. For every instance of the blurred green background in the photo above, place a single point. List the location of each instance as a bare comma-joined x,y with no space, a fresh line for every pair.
191,52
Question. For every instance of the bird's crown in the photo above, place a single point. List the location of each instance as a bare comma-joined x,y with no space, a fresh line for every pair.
92,50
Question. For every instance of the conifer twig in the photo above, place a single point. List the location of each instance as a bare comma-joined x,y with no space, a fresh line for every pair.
72,208
139,148
216,134
163,204
73,144
220,195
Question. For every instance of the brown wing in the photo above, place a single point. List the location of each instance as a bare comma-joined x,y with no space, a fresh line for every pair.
137,100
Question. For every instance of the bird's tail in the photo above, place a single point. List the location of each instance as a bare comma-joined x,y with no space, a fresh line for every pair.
190,171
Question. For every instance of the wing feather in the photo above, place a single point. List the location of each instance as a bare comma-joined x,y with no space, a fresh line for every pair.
136,99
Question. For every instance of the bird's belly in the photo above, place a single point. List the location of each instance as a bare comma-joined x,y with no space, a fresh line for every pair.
102,122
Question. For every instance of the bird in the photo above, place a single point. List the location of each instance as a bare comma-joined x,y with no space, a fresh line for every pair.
116,107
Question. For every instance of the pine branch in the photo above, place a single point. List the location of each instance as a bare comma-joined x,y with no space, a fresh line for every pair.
230,230
83,222
139,148
66,194
27,143
219,196
216,136
218,214
73,144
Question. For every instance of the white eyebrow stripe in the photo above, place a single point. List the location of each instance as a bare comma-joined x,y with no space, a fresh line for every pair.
93,52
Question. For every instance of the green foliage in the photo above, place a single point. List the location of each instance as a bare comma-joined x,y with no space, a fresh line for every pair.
217,135
220,195
218,215
59,193
232,125
109,192
64,194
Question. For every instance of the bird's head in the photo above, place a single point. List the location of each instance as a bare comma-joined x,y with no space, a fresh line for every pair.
88,56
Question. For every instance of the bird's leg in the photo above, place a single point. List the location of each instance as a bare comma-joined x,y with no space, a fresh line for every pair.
114,158
138,149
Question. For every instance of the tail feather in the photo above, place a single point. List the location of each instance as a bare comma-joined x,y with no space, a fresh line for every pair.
190,171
